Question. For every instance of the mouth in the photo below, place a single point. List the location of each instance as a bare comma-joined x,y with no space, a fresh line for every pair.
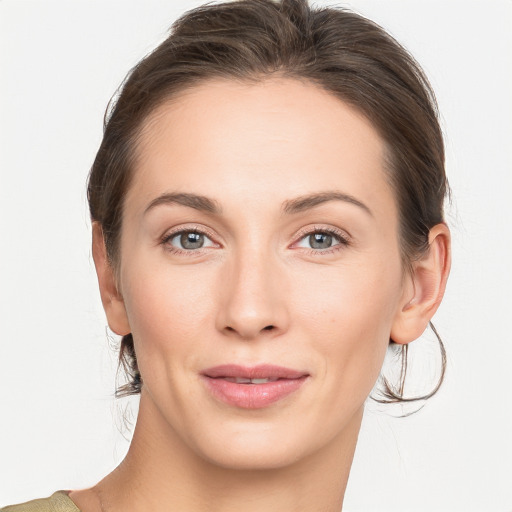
253,387
243,380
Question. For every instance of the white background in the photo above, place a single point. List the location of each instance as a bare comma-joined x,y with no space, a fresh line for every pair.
60,62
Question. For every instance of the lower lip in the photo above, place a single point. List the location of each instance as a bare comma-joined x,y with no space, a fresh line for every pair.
252,396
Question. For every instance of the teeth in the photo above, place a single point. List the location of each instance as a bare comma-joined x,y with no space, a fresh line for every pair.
243,380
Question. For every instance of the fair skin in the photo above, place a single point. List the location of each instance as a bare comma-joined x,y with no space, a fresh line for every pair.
258,291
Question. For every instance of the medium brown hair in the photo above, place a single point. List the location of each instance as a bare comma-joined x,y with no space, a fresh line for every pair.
251,40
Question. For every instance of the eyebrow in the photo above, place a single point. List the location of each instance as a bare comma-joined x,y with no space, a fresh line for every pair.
289,207
309,201
201,203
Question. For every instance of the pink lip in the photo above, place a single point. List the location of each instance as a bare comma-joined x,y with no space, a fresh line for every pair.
252,396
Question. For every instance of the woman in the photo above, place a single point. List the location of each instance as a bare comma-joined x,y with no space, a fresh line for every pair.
267,207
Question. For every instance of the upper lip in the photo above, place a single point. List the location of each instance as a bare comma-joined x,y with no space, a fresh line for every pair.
261,371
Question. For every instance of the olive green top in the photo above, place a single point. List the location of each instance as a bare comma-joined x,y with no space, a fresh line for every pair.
59,501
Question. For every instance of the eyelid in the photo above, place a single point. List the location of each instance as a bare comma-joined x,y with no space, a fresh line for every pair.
188,228
303,232
183,228
343,237
344,241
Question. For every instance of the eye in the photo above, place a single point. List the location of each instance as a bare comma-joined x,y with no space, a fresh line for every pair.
323,240
186,240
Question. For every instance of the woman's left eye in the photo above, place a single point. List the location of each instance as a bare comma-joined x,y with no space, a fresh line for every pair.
323,240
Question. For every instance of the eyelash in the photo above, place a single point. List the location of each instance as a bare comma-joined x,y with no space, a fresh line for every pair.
341,237
337,234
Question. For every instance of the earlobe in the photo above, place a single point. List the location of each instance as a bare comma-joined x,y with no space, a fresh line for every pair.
111,299
424,288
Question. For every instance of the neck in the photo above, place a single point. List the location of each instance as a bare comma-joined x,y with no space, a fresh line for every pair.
161,473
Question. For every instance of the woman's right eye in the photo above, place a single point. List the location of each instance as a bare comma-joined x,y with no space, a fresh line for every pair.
187,241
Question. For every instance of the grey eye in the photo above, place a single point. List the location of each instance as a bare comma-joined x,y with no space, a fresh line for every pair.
190,240
320,240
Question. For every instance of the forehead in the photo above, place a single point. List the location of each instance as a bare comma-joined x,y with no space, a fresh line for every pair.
279,138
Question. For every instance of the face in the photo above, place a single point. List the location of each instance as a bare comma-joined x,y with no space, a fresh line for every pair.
259,241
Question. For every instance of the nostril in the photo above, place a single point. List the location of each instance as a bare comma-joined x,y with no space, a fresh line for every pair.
229,328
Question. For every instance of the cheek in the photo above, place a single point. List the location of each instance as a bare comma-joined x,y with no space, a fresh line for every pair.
348,315
167,308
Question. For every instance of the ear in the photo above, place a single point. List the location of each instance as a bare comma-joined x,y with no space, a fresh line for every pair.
112,300
424,288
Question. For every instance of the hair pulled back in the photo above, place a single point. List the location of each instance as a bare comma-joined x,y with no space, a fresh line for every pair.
251,40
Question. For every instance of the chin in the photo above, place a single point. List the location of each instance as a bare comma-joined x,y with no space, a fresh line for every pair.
254,455
251,445
288,440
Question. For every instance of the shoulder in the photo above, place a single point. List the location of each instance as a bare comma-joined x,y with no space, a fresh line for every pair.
59,501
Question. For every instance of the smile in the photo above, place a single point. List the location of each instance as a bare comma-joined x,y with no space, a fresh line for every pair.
252,387
243,380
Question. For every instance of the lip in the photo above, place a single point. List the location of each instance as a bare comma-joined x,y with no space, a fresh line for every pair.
252,396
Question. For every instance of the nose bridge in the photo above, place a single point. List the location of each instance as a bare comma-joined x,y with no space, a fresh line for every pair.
254,298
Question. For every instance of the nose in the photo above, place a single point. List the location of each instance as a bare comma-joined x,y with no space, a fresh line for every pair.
254,297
